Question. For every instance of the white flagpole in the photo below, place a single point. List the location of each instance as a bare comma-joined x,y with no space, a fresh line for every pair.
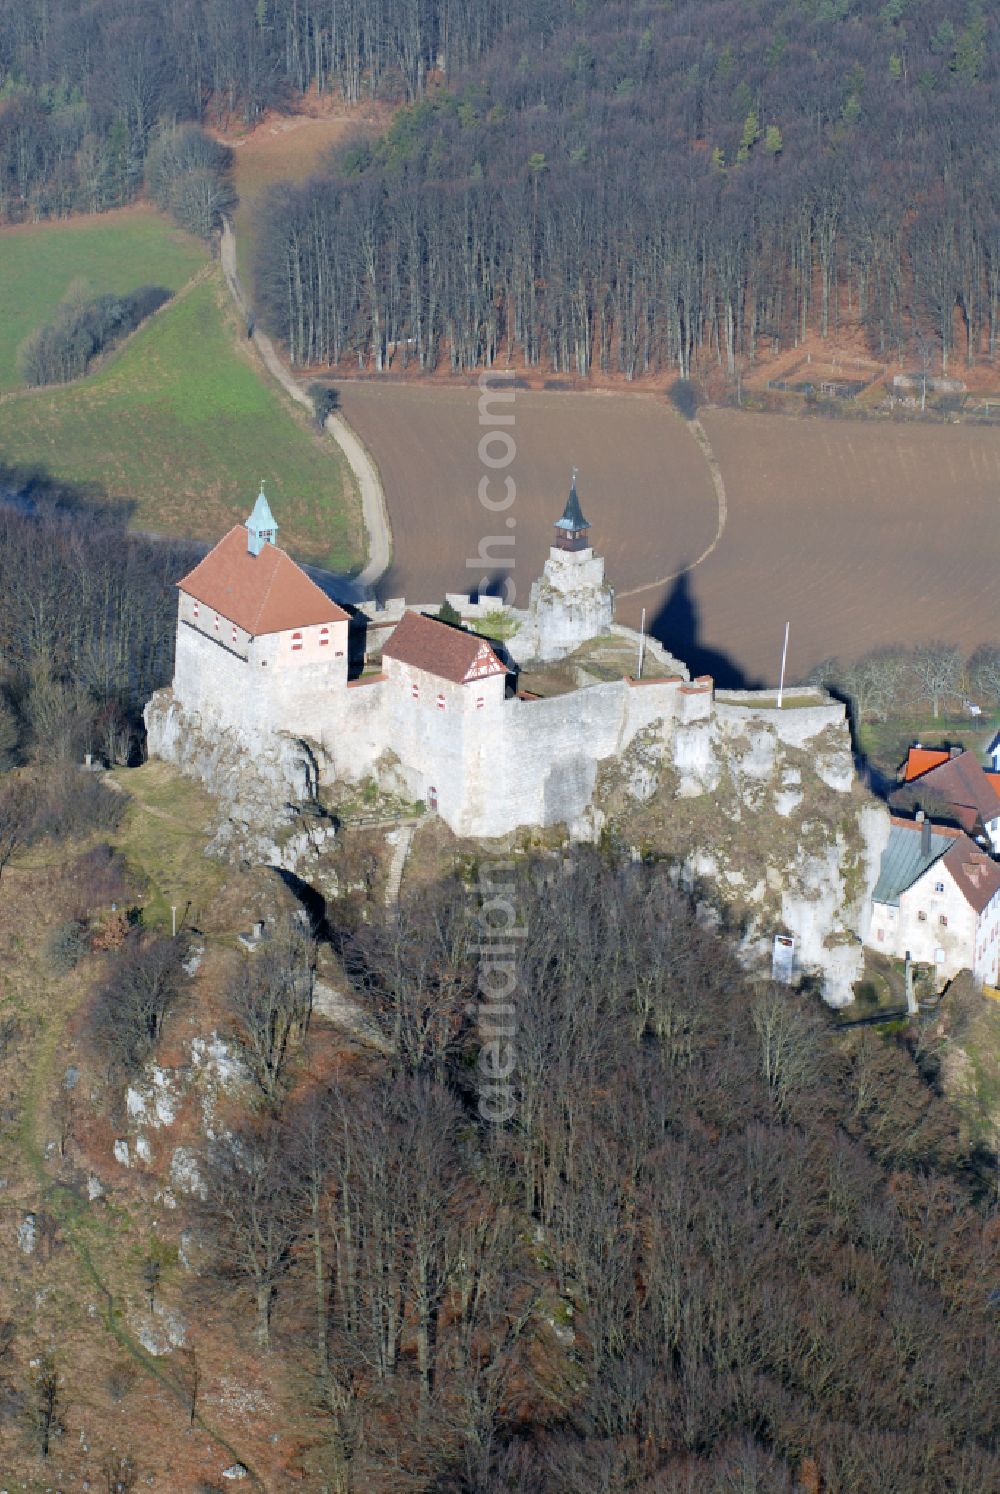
784,656
642,642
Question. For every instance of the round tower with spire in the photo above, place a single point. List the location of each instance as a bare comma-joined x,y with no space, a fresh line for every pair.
571,602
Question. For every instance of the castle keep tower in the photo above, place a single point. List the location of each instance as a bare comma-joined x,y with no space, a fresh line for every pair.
571,602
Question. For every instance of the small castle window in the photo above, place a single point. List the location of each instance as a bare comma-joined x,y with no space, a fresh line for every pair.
216,622
296,640
195,609
921,916
324,637
440,702
416,691
234,632
943,920
480,702
938,886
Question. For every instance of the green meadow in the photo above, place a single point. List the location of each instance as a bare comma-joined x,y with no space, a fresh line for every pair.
183,424
117,252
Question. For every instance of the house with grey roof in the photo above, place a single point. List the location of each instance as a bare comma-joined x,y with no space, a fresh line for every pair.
937,899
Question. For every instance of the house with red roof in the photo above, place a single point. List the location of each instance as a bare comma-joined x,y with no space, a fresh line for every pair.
958,779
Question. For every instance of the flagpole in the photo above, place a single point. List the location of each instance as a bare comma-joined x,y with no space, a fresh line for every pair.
784,656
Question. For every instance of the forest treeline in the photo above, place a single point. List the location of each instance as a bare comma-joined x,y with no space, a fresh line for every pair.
627,186
717,1246
87,617
653,186
86,84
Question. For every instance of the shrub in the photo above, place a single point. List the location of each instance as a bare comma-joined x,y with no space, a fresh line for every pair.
450,615
65,347
99,877
325,401
684,398
66,946
10,735
129,1009
76,803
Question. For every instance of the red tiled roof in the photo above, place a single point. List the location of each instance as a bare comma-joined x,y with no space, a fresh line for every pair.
921,759
438,649
976,876
963,783
265,593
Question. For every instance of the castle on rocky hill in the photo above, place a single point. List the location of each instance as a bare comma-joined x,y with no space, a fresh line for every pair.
280,694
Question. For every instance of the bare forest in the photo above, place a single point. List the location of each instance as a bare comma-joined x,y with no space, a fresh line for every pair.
651,187
716,1246
86,625
623,187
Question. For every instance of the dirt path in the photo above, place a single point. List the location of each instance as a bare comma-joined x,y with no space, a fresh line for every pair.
373,506
701,436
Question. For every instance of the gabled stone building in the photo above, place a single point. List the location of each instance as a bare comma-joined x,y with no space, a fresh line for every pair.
937,900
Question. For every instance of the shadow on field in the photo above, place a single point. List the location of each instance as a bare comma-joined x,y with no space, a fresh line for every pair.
34,491
677,627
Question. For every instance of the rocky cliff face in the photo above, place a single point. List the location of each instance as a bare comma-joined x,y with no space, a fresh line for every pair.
763,821
261,792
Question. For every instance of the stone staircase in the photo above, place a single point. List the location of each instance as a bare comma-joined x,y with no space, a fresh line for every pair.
399,839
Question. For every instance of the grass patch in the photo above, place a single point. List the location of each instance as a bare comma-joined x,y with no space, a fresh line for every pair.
163,838
184,426
117,253
285,149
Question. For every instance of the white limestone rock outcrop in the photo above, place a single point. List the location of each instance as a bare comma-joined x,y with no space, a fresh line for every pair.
759,810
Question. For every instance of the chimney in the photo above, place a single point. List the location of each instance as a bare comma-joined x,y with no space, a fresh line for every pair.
925,832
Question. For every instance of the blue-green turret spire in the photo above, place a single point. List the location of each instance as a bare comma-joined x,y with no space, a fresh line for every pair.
261,526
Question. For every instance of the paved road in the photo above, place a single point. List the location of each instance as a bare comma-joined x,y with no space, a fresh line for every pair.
373,507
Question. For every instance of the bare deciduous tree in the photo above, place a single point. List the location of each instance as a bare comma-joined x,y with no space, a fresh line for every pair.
271,1000
129,1009
936,669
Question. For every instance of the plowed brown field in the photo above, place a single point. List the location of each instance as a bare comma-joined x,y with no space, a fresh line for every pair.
643,482
858,534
